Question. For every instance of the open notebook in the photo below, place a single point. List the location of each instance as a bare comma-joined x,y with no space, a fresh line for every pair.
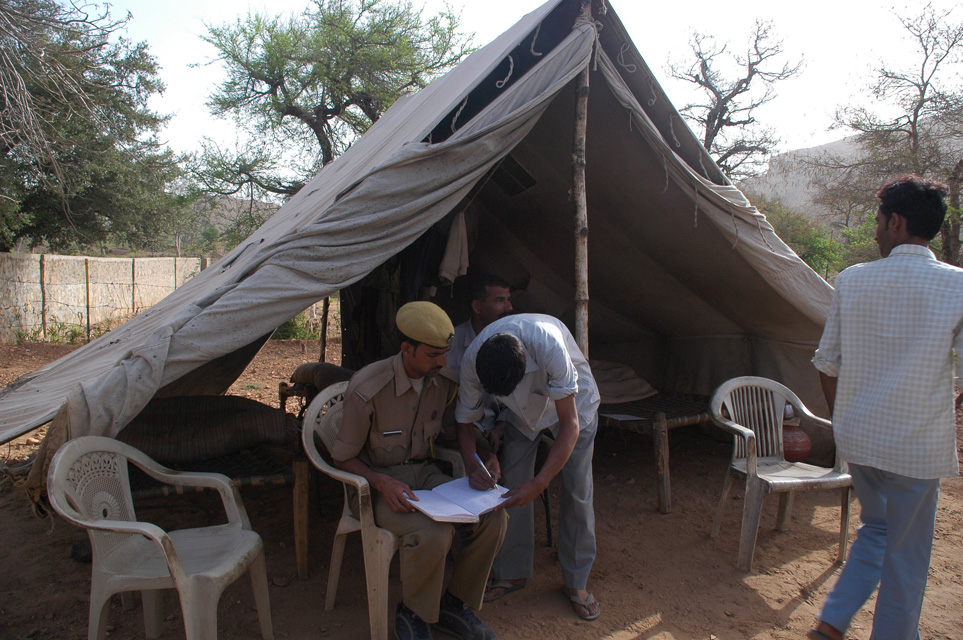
456,501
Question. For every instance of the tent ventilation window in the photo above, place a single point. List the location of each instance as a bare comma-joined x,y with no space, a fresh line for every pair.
516,63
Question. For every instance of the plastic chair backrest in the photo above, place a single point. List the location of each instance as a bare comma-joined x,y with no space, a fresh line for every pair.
323,416
95,486
331,424
759,407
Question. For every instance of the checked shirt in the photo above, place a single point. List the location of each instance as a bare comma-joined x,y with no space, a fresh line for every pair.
890,338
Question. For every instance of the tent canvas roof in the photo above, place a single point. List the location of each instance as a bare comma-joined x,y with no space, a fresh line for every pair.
688,282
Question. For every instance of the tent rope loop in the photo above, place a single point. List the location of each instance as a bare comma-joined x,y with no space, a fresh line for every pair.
665,165
695,214
762,234
735,227
672,131
511,68
628,66
458,113
534,38
655,96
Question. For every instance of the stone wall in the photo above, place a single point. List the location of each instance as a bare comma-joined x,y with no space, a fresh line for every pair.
49,297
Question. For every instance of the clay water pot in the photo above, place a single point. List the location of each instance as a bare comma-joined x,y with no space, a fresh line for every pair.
795,443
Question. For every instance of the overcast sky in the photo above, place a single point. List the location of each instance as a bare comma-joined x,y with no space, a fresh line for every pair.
840,41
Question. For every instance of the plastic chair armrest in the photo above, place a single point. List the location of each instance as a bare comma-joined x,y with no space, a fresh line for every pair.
226,488
816,420
146,529
733,428
346,477
740,432
360,483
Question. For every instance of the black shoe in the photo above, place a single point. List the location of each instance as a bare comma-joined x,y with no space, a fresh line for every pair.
408,626
458,620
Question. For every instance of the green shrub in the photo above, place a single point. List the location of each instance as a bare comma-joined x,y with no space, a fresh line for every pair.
300,327
66,333
307,324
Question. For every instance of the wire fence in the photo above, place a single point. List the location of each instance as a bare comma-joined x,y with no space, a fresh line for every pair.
55,298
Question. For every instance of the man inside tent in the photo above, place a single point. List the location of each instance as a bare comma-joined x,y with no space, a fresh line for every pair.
393,410
532,365
491,299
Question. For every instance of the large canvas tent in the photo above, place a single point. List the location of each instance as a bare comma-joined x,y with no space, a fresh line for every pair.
688,283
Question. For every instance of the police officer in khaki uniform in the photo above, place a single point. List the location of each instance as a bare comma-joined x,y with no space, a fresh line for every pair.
393,410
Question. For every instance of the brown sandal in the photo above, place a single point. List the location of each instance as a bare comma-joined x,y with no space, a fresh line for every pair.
500,588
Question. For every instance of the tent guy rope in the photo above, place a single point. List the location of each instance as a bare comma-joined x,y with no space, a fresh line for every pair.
511,67
534,38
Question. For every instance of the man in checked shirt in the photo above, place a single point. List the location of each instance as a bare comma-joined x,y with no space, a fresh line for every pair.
886,362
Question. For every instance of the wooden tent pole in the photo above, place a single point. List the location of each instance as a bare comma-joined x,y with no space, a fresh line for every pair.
581,203
325,306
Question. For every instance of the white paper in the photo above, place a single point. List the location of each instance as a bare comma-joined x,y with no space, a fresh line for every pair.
457,501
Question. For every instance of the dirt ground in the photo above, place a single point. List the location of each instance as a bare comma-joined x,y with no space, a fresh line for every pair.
657,576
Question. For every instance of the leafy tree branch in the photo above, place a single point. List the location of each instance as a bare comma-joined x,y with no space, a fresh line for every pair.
310,84
79,159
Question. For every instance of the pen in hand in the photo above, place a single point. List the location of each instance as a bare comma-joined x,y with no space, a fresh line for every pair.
487,472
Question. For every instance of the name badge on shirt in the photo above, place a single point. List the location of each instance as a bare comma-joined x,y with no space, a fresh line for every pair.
395,432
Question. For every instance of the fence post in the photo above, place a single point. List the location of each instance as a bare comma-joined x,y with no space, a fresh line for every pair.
87,282
43,295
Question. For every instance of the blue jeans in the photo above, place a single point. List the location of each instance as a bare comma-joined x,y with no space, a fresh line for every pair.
892,550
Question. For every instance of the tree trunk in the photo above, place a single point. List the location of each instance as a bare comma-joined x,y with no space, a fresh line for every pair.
950,232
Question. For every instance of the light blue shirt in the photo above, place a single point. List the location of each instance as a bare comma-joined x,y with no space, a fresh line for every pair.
464,334
554,369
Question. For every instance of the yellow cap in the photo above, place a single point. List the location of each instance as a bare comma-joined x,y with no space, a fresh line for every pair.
425,322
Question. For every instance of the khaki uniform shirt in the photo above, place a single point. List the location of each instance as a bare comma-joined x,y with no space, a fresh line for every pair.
385,422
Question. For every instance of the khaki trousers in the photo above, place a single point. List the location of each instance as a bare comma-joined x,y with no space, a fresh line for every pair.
425,545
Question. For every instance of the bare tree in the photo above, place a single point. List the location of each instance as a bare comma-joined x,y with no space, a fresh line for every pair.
914,123
726,117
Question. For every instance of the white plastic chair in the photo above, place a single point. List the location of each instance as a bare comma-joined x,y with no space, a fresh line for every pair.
88,485
323,419
752,409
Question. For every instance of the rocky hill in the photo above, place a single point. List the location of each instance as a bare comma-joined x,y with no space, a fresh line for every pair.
788,181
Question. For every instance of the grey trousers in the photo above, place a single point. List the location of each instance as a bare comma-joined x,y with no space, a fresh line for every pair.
576,535
425,544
